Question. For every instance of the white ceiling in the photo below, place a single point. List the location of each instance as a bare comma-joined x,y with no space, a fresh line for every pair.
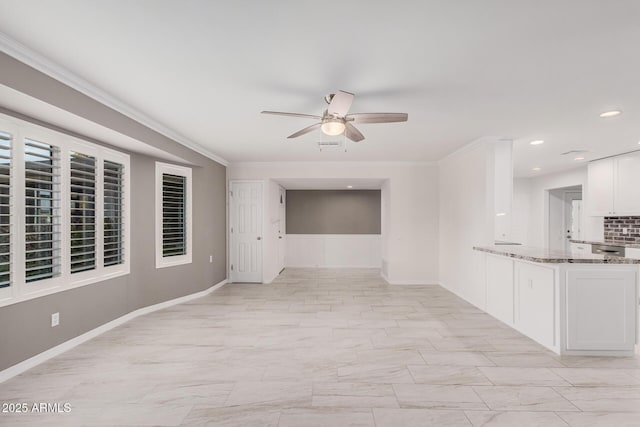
462,70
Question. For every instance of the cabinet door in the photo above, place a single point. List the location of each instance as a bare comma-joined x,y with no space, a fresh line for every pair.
500,288
600,187
535,302
601,309
627,189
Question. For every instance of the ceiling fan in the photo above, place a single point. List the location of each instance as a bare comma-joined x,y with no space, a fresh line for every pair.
336,121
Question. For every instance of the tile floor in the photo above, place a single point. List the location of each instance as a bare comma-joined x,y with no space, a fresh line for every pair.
325,348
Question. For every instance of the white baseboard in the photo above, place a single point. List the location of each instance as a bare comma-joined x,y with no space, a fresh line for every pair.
333,266
68,345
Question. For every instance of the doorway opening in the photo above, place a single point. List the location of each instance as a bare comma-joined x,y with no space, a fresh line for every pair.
565,217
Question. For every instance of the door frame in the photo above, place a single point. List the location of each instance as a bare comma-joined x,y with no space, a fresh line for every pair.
282,217
230,236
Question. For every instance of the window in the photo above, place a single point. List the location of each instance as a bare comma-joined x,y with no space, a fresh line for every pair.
5,210
173,215
42,210
53,191
113,219
83,212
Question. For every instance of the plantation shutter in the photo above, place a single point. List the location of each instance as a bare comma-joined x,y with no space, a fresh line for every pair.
42,210
5,209
113,220
83,212
174,242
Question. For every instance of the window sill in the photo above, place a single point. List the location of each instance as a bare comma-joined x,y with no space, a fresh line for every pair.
173,263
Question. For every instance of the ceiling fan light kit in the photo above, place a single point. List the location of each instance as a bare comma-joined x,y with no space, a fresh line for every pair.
332,127
336,120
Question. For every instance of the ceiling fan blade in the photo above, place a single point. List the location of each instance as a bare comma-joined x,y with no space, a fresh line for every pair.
377,117
340,103
305,130
304,116
352,133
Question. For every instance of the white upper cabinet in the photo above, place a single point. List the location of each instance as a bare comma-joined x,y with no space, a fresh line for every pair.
613,186
626,194
600,187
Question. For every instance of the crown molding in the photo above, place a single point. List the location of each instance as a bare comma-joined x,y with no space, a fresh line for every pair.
35,60
333,163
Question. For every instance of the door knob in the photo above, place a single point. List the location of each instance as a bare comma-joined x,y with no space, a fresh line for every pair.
259,238
279,237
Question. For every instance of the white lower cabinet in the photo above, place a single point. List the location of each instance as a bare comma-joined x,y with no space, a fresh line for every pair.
499,272
535,302
600,304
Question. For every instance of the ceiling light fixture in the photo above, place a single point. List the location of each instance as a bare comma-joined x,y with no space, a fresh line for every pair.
577,159
332,127
536,169
537,142
611,113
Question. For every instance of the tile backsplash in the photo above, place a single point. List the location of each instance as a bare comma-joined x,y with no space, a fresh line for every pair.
614,227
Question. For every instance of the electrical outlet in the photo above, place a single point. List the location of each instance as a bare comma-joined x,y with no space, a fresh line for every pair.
625,231
55,319
210,258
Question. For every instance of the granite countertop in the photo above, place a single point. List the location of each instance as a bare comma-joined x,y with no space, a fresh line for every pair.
548,256
608,242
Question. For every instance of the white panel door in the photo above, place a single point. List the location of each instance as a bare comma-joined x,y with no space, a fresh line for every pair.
282,244
500,288
600,188
535,302
627,190
246,231
601,309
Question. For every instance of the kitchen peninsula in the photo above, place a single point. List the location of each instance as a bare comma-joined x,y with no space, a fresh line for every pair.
571,303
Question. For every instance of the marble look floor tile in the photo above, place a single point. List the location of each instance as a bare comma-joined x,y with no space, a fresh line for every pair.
437,396
448,375
603,399
233,416
323,347
272,393
354,395
512,419
374,373
597,377
522,376
456,358
524,360
507,398
601,419
326,417
419,418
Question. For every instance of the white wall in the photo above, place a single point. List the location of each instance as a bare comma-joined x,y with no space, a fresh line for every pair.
466,202
334,250
538,206
410,209
520,229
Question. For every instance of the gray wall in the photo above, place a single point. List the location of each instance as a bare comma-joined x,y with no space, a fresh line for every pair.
25,327
333,211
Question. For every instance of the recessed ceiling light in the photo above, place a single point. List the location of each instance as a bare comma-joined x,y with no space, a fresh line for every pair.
536,169
349,186
537,142
611,113
579,158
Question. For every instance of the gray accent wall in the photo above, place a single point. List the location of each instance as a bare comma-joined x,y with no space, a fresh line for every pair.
333,212
25,327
